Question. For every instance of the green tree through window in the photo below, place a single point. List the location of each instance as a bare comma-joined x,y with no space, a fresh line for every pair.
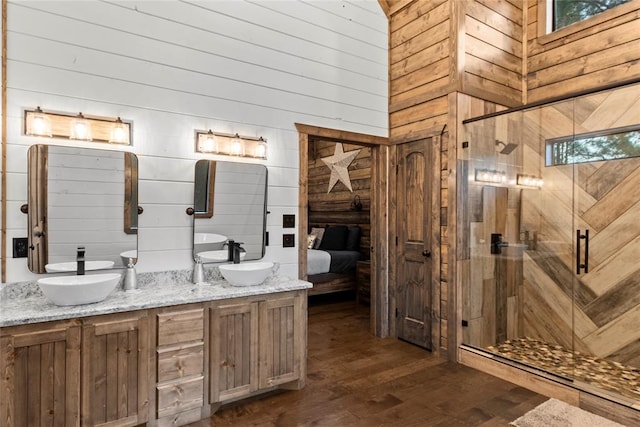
612,144
567,12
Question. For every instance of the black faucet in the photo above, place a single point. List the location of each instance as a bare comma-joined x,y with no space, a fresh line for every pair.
80,261
497,243
234,251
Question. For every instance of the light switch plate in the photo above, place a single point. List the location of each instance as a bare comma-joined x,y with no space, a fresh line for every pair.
288,240
288,221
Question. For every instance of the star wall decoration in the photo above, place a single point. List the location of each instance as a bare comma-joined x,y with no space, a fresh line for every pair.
339,164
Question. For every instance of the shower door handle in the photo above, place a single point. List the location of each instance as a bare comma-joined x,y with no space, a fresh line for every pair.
582,265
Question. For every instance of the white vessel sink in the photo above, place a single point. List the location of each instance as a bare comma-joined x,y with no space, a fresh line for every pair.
74,290
208,238
221,255
246,274
124,256
67,267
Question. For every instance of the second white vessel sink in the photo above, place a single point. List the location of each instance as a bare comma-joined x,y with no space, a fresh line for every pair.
246,274
221,255
67,267
75,290
131,254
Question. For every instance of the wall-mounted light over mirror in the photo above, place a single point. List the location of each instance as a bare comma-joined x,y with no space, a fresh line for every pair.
77,127
531,181
492,176
81,197
230,145
230,202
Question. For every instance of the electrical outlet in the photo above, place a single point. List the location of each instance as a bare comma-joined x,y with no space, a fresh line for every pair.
288,221
20,247
288,240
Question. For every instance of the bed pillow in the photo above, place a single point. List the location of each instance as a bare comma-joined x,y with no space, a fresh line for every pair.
318,232
334,238
311,240
353,239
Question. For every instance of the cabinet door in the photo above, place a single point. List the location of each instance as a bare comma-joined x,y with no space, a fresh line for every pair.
40,367
283,337
234,354
115,360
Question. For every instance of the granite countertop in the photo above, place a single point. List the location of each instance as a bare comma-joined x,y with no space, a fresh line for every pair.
23,303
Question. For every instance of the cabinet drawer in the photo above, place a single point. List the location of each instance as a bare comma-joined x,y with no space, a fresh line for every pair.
181,419
181,361
180,326
180,396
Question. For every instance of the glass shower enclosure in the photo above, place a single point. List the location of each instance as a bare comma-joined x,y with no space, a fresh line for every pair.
550,253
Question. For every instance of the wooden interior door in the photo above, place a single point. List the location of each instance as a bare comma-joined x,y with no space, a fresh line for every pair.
413,293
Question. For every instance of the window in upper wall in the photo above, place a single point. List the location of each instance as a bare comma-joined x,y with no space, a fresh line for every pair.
618,143
567,12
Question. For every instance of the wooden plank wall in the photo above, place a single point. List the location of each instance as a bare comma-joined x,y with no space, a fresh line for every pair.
420,64
491,51
602,50
335,207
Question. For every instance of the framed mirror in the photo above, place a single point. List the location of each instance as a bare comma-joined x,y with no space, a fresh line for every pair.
81,197
230,201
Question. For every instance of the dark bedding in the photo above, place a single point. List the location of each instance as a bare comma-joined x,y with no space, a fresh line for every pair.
343,261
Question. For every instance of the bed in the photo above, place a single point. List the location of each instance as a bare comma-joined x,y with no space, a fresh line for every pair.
332,256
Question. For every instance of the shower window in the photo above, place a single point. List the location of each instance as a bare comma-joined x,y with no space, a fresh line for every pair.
620,143
567,12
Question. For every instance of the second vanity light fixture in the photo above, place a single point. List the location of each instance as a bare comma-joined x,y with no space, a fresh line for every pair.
77,127
529,181
230,144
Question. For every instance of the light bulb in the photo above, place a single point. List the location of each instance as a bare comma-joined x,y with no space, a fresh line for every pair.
80,129
38,124
119,133
236,146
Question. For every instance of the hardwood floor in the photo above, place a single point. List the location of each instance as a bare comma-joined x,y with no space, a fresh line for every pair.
355,379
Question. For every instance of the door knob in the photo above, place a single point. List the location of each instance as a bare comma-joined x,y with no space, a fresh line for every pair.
426,254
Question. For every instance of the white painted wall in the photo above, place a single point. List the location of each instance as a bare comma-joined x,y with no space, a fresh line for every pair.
251,67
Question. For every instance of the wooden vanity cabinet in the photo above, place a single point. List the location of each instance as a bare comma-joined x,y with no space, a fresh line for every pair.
257,343
40,382
115,369
167,366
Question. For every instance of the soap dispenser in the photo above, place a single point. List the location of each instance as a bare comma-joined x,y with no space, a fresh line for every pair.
130,277
198,271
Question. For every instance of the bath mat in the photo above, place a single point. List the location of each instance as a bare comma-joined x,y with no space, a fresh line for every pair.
554,413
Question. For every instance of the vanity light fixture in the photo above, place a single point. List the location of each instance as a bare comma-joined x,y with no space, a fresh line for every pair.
230,144
77,127
529,181
491,176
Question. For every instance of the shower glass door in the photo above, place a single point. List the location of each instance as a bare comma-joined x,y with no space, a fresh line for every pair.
550,239
603,152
